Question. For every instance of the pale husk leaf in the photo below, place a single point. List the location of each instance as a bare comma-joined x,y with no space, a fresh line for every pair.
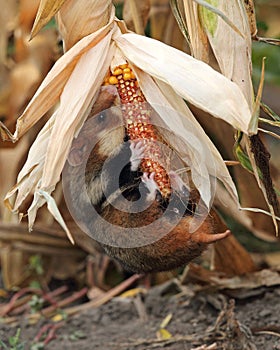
77,97
47,9
8,171
32,171
183,123
192,79
224,39
198,38
51,88
47,155
78,19
53,209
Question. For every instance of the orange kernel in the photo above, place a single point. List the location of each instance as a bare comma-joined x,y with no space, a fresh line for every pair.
113,80
117,71
127,76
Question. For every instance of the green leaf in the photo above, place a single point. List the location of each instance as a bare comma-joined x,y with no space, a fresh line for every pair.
270,112
209,13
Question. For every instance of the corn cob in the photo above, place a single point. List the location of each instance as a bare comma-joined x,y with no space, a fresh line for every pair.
137,118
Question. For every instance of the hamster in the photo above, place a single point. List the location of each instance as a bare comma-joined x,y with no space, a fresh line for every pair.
129,199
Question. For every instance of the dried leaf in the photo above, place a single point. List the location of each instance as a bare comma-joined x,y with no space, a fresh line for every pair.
51,88
270,112
52,207
135,15
202,86
57,318
224,38
269,133
9,172
181,23
270,122
250,10
133,292
32,170
47,9
198,38
259,158
166,321
225,204
256,111
263,278
78,19
76,100
184,124
163,334
258,279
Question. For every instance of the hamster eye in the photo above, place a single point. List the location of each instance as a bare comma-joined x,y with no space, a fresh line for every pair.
101,117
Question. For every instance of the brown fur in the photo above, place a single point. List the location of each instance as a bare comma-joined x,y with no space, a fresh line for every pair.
166,251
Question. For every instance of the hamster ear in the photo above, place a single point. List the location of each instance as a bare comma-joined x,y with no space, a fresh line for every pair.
78,151
75,158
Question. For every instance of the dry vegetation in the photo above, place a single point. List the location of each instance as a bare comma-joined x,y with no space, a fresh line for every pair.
45,277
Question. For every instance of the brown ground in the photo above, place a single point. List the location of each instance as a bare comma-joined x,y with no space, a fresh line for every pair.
133,323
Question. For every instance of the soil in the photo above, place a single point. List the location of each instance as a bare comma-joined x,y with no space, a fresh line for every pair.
198,318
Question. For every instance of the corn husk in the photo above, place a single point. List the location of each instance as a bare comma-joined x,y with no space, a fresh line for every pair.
192,79
75,79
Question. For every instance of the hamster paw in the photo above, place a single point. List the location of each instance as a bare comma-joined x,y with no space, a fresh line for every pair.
137,149
151,185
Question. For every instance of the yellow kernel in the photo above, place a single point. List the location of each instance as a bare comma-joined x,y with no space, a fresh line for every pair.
123,66
127,70
113,80
127,76
117,71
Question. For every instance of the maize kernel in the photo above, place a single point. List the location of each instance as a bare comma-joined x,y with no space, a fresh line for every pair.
113,80
117,71
138,123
